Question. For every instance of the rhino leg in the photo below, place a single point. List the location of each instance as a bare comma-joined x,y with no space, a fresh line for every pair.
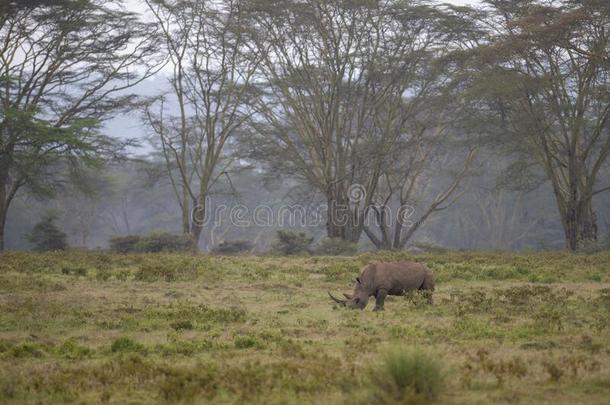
428,295
427,287
380,299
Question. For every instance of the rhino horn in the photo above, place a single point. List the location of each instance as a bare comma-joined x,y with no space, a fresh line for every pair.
337,300
349,297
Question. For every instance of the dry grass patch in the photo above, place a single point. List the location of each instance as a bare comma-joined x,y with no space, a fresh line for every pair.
179,328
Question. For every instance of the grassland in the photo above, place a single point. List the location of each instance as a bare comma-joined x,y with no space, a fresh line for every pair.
104,328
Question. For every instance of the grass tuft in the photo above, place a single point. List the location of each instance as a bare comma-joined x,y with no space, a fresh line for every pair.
407,376
125,344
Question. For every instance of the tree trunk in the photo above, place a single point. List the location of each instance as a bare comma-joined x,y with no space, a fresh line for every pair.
579,224
197,222
383,217
336,217
4,202
343,218
186,214
2,221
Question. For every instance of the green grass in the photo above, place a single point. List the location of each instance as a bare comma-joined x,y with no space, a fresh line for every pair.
407,376
109,328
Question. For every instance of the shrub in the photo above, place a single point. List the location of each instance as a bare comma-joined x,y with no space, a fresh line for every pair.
248,342
165,242
76,270
185,348
407,377
600,245
292,243
102,275
182,325
124,244
155,242
336,247
71,350
124,344
27,350
230,247
46,236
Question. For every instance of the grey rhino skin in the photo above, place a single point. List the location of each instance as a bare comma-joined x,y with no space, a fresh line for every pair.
379,279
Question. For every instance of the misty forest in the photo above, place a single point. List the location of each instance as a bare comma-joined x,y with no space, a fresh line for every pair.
487,125
182,181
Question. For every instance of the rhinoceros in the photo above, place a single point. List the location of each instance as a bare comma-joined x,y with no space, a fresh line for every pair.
379,279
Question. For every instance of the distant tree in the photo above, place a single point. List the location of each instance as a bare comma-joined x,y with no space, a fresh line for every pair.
229,247
546,68
46,235
498,219
65,66
404,204
292,243
124,244
81,199
433,150
210,88
341,77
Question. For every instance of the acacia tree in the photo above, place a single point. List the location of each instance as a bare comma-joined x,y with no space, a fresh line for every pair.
432,148
403,202
547,68
330,70
65,66
211,85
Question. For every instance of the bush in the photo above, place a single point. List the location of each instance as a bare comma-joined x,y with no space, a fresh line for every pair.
231,247
292,243
248,342
165,242
155,242
600,245
27,350
46,235
71,350
182,325
124,344
409,376
124,244
336,247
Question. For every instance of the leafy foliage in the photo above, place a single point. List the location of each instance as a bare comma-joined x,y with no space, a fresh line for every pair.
66,66
233,247
125,344
165,242
124,244
407,376
47,236
155,242
292,243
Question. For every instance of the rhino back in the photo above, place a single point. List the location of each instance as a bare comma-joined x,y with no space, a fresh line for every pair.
401,276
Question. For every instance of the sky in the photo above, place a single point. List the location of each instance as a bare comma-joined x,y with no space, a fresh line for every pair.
138,5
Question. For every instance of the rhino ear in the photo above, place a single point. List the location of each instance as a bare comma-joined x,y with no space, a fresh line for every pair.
358,280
